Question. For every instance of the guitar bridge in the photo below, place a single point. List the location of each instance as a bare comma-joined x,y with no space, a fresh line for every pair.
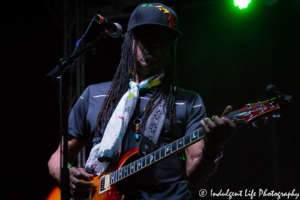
104,183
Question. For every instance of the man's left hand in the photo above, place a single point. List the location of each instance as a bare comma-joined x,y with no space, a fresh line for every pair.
218,131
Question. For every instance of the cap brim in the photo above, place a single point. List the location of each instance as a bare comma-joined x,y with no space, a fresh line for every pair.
174,33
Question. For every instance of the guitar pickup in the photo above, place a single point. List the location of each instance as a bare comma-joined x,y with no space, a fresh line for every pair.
104,184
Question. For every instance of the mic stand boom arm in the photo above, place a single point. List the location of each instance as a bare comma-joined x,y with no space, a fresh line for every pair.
59,69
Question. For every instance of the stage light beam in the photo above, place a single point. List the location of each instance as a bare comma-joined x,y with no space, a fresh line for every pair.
242,3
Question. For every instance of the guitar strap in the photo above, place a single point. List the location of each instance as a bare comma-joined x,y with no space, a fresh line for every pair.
152,130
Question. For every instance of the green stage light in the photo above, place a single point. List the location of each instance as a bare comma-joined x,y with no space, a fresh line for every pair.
242,3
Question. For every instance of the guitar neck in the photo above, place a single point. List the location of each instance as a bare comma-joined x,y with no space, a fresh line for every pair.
160,154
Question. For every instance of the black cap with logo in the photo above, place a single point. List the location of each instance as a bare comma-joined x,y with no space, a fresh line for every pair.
155,14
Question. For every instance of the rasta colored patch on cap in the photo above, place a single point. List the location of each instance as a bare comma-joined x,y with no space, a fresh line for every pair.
162,8
144,5
171,19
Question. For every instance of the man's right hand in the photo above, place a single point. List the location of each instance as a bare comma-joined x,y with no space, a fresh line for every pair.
80,180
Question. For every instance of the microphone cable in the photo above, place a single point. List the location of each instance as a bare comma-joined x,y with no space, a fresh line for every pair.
77,43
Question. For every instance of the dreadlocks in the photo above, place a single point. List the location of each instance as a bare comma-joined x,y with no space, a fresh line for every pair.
166,90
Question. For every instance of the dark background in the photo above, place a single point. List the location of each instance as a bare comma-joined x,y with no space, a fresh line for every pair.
226,55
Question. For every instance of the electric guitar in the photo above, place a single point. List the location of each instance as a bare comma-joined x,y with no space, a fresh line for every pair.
106,184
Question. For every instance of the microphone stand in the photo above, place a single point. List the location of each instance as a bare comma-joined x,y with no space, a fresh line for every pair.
58,72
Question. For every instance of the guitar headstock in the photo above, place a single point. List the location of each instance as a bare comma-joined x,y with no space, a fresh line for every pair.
252,112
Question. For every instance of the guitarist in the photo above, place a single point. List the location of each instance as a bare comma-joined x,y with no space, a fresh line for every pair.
116,115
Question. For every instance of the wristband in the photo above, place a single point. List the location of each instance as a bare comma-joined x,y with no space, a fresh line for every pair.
69,166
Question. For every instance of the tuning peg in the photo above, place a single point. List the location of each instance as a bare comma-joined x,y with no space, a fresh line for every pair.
254,124
277,115
266,119
259,104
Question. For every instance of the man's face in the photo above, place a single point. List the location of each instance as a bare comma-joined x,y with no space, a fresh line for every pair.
152,50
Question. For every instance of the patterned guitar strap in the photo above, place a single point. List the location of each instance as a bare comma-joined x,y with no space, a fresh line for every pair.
152,130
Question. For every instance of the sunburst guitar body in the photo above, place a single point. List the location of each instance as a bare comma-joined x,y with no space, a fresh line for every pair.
105,191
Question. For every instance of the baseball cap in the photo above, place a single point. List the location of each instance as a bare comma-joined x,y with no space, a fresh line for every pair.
155,14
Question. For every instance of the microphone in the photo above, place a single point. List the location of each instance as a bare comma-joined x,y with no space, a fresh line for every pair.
114,29
271,91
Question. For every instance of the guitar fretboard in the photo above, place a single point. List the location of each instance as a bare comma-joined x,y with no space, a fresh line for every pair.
161,153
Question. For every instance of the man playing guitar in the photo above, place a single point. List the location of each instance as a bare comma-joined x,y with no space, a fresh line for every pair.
142,103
